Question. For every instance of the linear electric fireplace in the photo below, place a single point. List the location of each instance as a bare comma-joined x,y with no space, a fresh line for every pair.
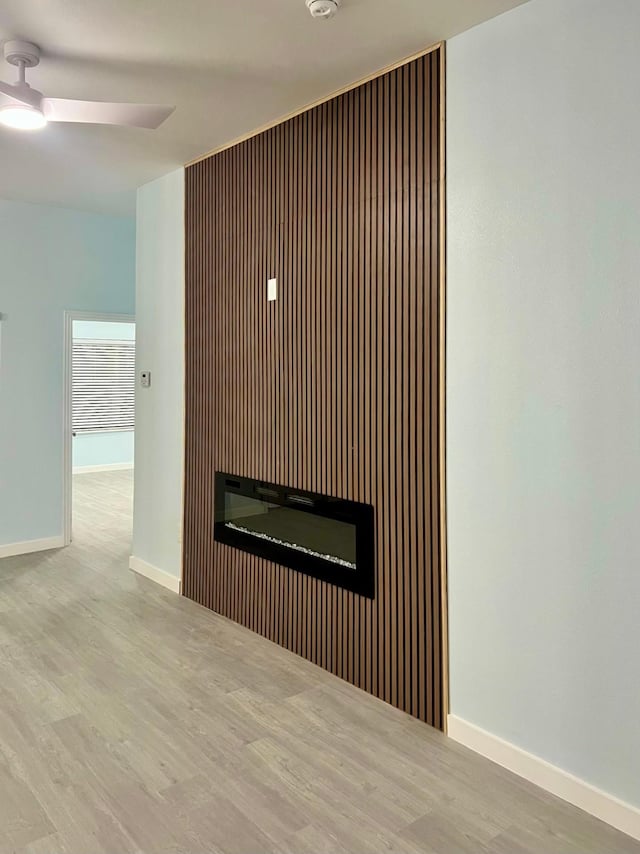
326,537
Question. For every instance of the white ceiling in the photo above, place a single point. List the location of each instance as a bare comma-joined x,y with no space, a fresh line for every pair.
229,66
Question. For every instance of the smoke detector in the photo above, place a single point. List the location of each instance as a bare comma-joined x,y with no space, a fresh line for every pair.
323,9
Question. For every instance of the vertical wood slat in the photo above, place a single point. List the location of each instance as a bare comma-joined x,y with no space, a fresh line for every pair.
336,386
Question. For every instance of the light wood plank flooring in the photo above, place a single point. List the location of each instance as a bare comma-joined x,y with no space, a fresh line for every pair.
133,720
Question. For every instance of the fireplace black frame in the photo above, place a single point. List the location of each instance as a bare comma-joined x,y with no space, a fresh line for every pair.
360,580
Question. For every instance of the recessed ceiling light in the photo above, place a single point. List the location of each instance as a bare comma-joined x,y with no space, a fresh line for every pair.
22,117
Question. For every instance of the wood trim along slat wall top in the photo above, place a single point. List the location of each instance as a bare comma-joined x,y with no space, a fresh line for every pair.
438,46
337,386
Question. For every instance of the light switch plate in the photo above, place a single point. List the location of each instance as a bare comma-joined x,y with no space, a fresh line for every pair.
272,290
145,379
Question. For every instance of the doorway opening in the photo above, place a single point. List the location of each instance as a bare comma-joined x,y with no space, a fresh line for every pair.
99,428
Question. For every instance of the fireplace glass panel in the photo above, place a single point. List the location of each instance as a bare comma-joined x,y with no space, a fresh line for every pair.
329,538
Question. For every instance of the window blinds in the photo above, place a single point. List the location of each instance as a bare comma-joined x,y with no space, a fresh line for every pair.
103,385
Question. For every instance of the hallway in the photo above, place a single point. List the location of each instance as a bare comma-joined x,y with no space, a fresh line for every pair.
103,518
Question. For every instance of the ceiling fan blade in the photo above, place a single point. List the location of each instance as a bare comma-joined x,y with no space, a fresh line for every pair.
102,113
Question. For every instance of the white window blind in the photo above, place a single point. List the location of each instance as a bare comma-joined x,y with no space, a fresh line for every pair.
103,385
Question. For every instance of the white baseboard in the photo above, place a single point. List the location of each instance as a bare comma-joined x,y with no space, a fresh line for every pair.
158,575
29,546
107,467
607,808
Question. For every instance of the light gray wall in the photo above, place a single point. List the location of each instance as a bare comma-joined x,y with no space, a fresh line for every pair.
159,432
51,260
544,383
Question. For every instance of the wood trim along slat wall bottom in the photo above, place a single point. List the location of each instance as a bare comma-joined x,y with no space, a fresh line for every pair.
606,807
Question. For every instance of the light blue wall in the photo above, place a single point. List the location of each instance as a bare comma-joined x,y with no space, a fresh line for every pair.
53,259
110,447
104,330
543,373
157,516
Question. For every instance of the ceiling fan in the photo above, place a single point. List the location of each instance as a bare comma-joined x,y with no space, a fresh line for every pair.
25,108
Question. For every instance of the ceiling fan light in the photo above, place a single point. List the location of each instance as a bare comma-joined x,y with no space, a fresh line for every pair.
22,117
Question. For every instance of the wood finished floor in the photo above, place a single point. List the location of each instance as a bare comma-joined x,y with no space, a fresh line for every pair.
133,720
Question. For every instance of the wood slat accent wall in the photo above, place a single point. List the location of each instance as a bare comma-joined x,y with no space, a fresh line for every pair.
335,387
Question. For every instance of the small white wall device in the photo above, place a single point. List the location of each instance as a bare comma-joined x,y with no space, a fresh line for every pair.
272,290
323,9
145,379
